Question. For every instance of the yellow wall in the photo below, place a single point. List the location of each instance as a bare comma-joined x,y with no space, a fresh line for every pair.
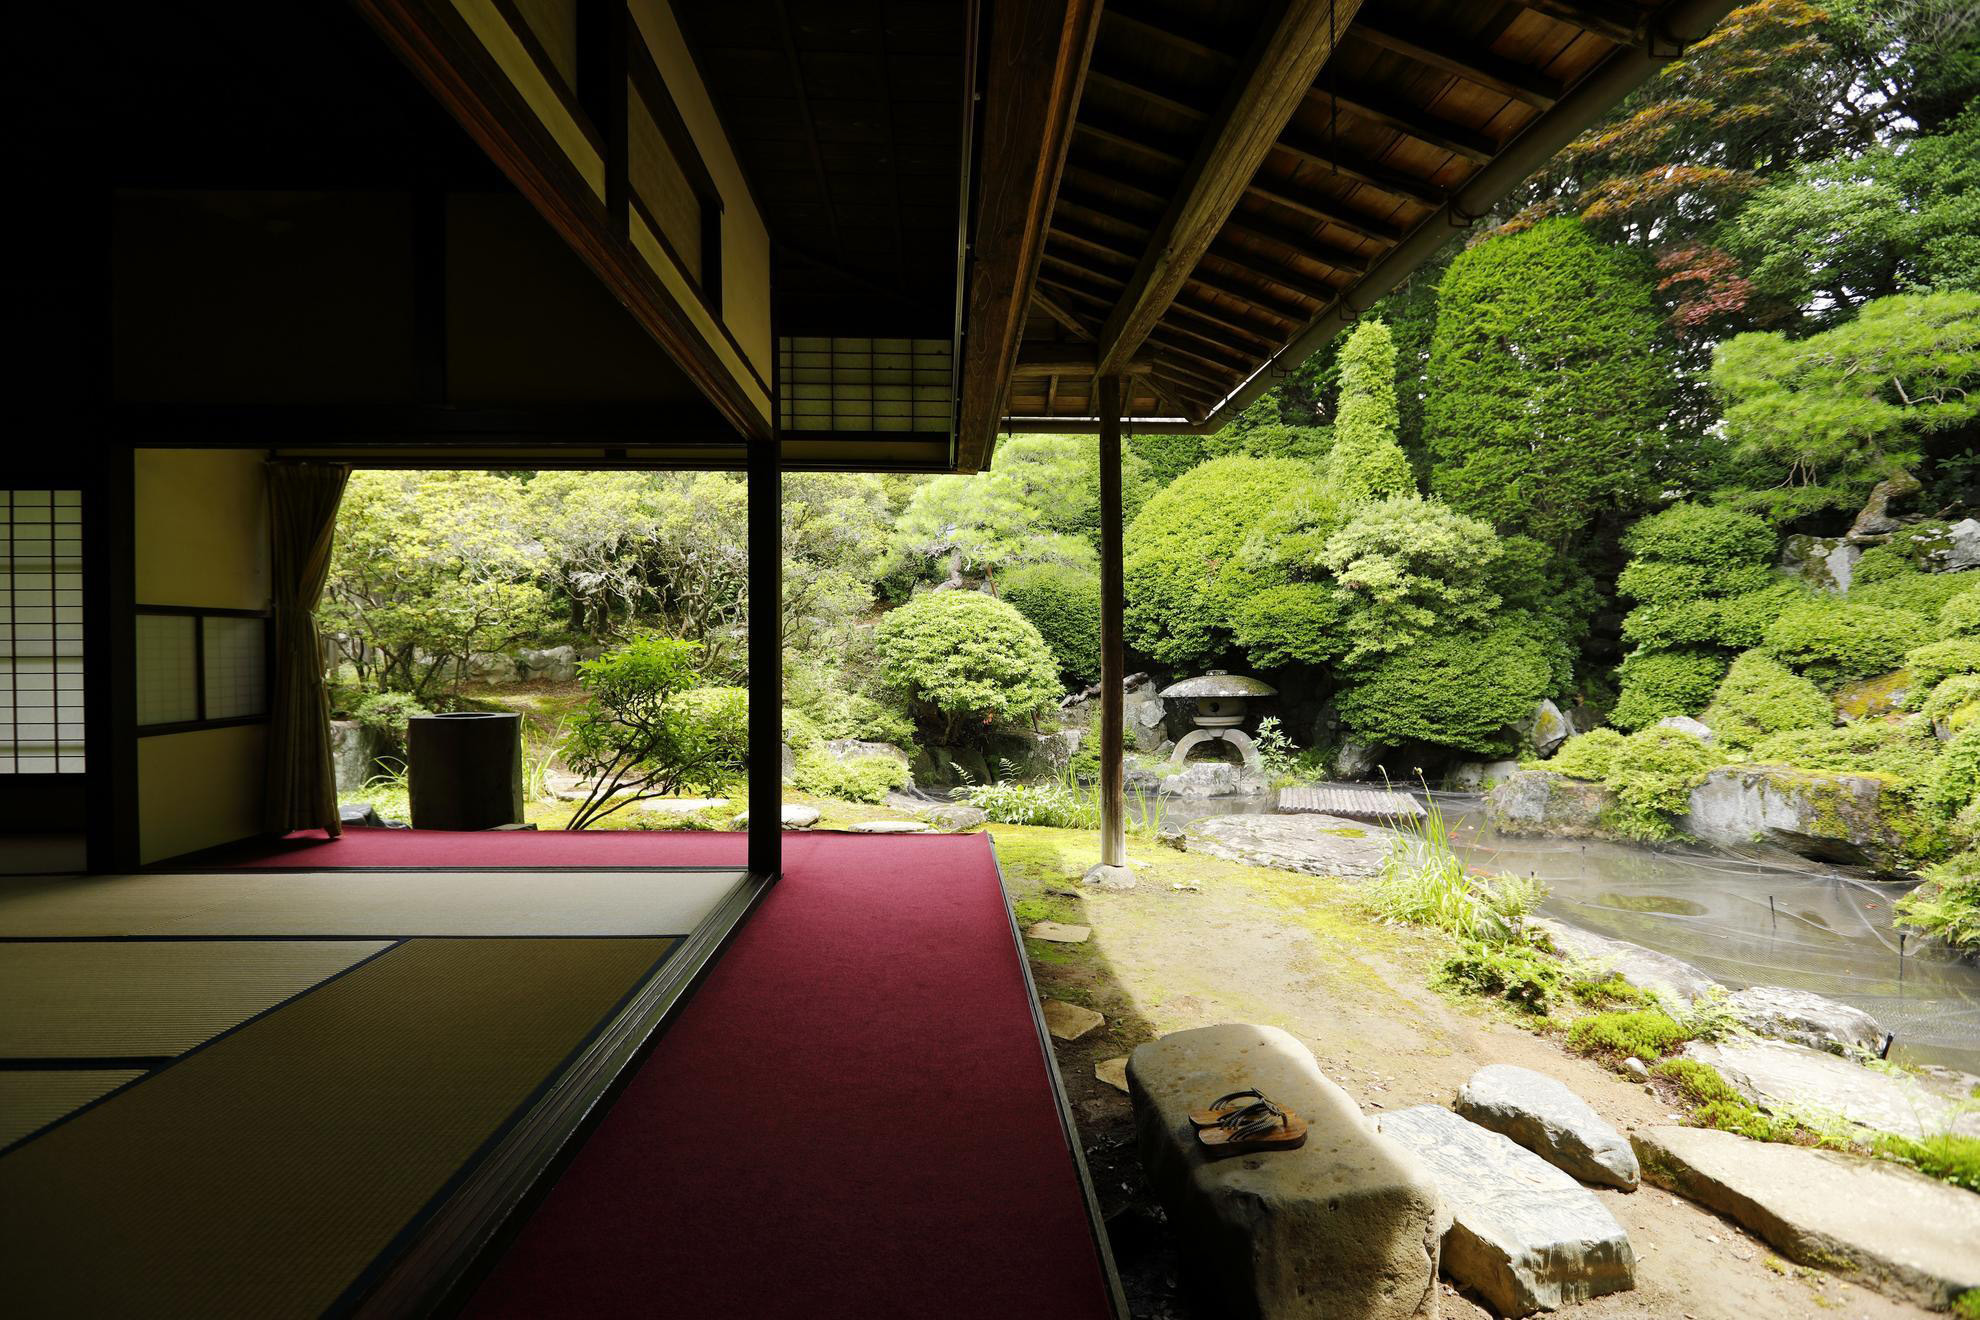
201,540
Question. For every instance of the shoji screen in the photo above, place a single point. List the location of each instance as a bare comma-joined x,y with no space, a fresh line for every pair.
41,632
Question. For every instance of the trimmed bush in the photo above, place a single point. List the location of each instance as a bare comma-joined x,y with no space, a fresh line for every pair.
967,661
1901,750
1830,641
1759,697
1667,582
856,779
1932,664
1063,603
1706,536
1587,755
1951,701
1459,690
1652,773
1298,623
1659,684
1879,563
1960,616
1924,594
1956,779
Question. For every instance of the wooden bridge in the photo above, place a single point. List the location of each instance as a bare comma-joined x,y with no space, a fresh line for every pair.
1374,804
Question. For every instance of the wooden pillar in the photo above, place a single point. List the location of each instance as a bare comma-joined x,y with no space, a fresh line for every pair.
766,659
1113,799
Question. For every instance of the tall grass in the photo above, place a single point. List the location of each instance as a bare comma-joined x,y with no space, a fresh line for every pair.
1425,883
1060,803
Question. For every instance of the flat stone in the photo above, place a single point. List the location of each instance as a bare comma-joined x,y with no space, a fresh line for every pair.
1646,969
958,817
1069,1021
1113,1072
889,827
1313,844
1545,729
796,817
1525,1235
1891,1228
1056,932
1805,1018
1346,1225
1102,876
681,806
1784,1078
1548,1119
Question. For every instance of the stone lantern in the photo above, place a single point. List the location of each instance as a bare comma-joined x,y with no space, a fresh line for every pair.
1220,708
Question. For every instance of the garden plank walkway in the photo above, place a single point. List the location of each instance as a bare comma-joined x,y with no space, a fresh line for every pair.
1355,803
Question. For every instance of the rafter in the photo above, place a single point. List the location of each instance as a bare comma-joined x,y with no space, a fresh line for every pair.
1049,305
1611,22
1332,157
1506,77
1412,121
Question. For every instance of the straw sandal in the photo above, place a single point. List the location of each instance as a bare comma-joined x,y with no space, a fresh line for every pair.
1224,1106
1256,1128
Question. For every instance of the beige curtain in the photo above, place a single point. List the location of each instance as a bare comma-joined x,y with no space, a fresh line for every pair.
302,787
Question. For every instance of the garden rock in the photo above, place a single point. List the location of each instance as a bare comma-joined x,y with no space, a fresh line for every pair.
1203,779
1891,1228
1313,844
1826,816
1805,1018
1646,969
1113,1072
1685,724
1524,1234
1058,932
361,814
852,749
1876,518
681,806
1346,1225
796,816
1542,802
1102,876
1548,1119
1355,759
889,827
787,762
1784,1078
1962,549
353,754
1477,776
1826,563
1048,754
489,667
1068,1021
558,664
957,818
1545,729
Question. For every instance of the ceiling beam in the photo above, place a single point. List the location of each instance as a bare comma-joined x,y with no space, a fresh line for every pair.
1052,308
1268,88
1409,120
1492,72
1611,22
1036,68
1331,157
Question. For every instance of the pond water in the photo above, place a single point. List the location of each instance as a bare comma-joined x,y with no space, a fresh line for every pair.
1745,919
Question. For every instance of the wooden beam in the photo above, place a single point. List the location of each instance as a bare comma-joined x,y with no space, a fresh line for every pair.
1062,360
1113,609
1036,68
1321,208
1306,245
794,71
1229,327
1334,158
1272,82
1049,305
1412,121
1492,72
1611,22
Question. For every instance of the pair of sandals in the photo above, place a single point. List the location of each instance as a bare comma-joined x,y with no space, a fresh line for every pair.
1245,1122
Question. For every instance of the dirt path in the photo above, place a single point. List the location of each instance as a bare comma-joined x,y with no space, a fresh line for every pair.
1244,944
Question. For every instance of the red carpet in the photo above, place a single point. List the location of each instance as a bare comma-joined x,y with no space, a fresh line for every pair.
374,849
851,1118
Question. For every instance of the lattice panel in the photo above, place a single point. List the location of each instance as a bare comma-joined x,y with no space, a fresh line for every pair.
865,384
41,632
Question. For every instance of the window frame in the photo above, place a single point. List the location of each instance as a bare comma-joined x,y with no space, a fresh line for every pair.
31,478
199,614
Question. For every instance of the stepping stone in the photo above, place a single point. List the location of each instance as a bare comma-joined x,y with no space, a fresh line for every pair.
1113,1072
1646,969
889,827
796,816
1315,845
1548,1119
1784,1078
1525,1235
1893,1229
1346,1225
1805,1018
1059,933
1069,1021
681,806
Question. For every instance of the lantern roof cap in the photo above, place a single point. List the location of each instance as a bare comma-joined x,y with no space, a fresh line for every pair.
1217,683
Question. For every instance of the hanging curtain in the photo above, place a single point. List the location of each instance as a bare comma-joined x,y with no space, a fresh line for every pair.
302,786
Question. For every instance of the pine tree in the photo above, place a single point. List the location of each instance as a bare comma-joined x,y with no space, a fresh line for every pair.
1366,463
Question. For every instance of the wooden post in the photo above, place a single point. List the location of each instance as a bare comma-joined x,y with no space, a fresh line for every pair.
766,659
1113,801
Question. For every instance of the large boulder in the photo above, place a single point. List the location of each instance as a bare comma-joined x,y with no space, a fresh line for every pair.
1209,779
1545,729
1523,1234
557,664
1542,802
1805,1018
854,749
354,749
490,667
1877,518
1961,550
1313,844
1824,562
1831,817
1346,1225
957,817
1646,969
1685,724
1785,1078
1892,1229
1548,1119
1479,776
1355,759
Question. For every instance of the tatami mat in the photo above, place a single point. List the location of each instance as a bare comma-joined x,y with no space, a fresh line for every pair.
264,1174
359,903
32,1100
131,998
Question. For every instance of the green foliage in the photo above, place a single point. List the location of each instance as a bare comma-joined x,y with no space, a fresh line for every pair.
1659,684
1830,415
1645,1033
1063,603
1588,755
1759,697
1459,689
1924,594
1960,616
1734,622
966,661
1956,779
1165,457
389,713
1880,563
1060,804
1708,537
1902,750
1185,577
855,779
956,527
647,729
1652,773
1295,623
1935,662
841,695
1551,390
1966,1306
1519,973
1830,640
1947,905
1949,702
1366,463
1717,1105
1947,1156
1653,582
1407,565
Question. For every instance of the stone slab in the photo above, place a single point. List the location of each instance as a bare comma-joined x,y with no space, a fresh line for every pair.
1312,844
1787,1078
796,816
1646,969
1346,1225
1113,1072
1543,1115
889,827
1068,1021
1805,1018
1892,1229
1058,932
1523,1234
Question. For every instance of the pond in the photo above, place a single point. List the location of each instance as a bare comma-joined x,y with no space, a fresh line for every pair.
1745,919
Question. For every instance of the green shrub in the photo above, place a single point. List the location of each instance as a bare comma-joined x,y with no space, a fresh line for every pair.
1708,536
1659,684
1519,973
1059,804
1600,989
1947,905
1717,1105
1663,582
967,661
1966,1306
1947,1156
1901,750
1880,563
1651,773
1365,462
1425,883
1734,622
1759,697
1830,641
1644,1033
389,713
1924,594
649,730
855,779
1297,623
1063,603
1960,616
1458,690
1950,702
1587,755
1935,662
1956,779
